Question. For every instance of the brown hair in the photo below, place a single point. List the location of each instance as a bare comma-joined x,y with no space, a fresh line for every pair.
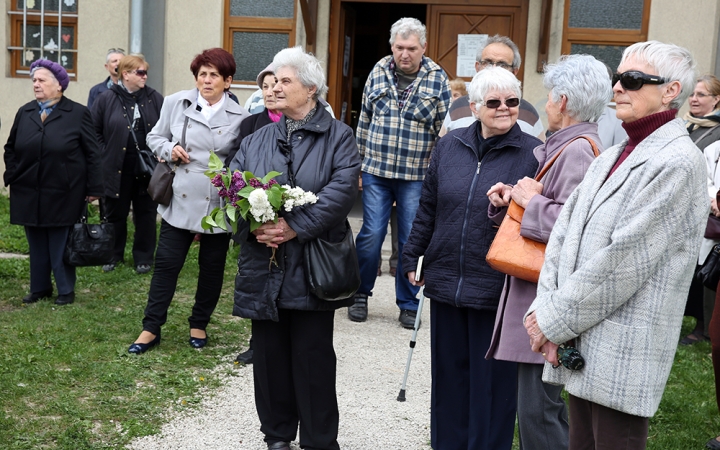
712,84
219,58
459,85
131,62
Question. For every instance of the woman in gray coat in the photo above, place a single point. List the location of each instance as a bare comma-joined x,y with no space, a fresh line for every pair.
293,356
192,124
621,256
579,89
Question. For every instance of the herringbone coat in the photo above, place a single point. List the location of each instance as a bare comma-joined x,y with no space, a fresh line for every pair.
618,266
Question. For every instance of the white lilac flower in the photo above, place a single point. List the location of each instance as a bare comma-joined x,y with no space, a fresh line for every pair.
295,196
260,206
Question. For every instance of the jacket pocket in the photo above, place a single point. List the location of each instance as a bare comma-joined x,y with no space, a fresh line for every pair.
425,108
380,101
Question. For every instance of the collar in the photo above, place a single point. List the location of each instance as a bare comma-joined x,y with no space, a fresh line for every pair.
640,129
208,110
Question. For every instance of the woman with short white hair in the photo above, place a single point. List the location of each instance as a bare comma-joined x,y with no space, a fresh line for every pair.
473,398
621,255
579,89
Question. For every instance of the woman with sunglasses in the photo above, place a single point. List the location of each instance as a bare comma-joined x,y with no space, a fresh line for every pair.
621,255
703,124
579,90
473,398
129,103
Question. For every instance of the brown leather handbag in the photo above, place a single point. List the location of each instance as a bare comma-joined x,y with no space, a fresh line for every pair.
518,256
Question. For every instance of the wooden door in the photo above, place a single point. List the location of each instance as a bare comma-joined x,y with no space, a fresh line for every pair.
343,76
446,22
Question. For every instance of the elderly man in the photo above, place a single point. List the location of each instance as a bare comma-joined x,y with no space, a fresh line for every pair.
502,52
404,103
114,55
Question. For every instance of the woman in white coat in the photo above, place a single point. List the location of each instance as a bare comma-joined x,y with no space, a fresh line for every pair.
209,121
621,255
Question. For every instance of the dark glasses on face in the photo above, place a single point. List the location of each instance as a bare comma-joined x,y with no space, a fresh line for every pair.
140,73
494,104
633,80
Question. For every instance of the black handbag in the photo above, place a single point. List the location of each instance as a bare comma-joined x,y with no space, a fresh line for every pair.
90,244
709,274
332,267
160,186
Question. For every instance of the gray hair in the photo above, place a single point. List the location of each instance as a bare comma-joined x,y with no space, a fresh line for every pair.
407,26
306,66
672,62
492,79
497,39
583,80
35,69
114,51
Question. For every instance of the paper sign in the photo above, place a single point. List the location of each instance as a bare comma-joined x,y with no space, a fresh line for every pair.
468,45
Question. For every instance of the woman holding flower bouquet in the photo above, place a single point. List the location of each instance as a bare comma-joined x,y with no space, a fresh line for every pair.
207,121
294,360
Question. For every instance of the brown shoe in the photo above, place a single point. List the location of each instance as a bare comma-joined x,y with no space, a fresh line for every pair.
393,271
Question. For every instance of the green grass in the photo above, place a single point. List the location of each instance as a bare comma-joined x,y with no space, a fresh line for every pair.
66,379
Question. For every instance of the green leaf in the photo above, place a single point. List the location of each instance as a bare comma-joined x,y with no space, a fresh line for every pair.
207,223
246,191
270,176
244,206
215,163
275,198
219,218
247,176
254,225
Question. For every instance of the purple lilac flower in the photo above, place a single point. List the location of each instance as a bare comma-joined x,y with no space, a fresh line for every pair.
254,182
270,184
217,180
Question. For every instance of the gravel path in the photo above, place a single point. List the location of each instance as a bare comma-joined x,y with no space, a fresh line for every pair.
371,361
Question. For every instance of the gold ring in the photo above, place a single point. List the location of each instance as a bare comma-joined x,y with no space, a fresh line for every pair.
543,354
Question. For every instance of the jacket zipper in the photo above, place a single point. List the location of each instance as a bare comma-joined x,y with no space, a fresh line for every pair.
471,194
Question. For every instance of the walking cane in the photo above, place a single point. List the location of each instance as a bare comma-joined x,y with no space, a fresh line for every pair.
418,277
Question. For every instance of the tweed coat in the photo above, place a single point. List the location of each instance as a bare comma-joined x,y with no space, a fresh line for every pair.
618,267
193,195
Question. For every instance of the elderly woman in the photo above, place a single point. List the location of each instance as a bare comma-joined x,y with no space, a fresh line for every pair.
128,103
52,165
579,90
621,256
703,119
473,399
294,360
192,124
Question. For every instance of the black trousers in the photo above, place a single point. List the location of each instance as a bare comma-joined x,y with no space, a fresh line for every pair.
473,399
144,217
294,367
597,427
47,246
171,253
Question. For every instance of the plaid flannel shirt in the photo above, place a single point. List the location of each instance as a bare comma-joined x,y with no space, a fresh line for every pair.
396,142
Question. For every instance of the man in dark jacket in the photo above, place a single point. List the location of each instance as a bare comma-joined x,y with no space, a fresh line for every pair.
114,55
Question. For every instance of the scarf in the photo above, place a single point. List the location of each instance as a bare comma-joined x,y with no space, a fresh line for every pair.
294,125
274,115
709,121
47,107
136,110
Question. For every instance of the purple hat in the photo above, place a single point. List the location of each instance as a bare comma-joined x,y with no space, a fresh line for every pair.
261,76
56,69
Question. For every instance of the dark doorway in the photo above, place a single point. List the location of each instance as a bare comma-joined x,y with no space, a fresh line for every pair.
372,33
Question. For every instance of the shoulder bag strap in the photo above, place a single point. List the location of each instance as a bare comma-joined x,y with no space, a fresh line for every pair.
547,167
127,116
705,134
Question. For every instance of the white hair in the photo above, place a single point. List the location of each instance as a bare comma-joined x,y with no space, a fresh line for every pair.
497,39
584,81
35,69
306,66
407,26
672,62
493,79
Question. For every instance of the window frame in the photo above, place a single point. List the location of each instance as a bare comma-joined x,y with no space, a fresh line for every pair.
246,24
603,36
21,18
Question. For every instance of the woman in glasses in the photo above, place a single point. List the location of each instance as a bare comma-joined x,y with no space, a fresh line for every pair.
473,398
123,117
579,90
621,256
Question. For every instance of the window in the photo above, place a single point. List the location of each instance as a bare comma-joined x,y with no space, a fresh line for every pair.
601,29
255,31
43,29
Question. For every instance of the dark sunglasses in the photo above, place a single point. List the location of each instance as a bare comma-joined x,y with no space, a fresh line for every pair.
510,103
140,73
632,80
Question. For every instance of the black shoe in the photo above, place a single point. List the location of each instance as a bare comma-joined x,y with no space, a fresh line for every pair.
138,349
198,342
35,296
713,444
279,446
407,319
141,268
359,311
65,299
245,357
110,267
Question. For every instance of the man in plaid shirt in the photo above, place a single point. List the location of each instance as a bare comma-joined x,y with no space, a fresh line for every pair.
404,104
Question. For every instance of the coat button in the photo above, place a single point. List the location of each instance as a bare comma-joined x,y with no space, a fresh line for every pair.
187,171
184,196
119,171
219,132
207,198
123,148
117,195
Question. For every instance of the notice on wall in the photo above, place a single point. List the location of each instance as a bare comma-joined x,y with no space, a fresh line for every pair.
468,45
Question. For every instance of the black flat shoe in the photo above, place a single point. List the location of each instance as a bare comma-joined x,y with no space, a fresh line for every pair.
245,357
137,348
279,446
35,296
713,444
198,342
65,299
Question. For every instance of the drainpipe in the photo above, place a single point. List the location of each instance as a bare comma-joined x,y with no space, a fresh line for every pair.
136,16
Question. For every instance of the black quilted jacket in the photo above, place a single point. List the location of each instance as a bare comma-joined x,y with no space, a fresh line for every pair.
451,227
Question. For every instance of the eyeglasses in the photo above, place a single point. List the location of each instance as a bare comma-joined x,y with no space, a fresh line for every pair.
495,104
700,95
115,50
633,80
503,65
140,73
